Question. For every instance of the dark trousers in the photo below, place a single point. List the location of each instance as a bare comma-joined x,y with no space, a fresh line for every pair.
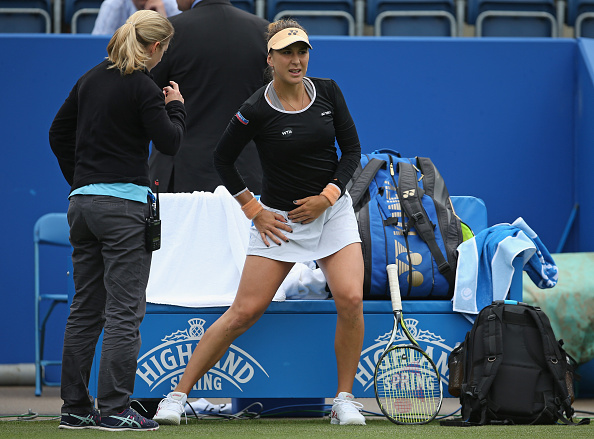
111,270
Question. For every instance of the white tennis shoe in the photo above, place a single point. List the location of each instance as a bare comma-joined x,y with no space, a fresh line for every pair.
346,411
171,408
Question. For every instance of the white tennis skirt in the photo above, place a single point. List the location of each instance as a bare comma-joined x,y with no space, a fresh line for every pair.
333,230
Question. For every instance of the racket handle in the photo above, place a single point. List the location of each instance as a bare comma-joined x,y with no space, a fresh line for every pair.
394,284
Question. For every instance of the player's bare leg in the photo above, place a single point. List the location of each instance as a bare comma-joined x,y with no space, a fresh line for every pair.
344,274
259,282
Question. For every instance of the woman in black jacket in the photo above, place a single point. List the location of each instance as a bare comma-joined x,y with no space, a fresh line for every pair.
101,138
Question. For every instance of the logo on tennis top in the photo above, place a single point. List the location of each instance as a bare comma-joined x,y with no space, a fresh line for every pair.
163,365
242,119
433,344
287,132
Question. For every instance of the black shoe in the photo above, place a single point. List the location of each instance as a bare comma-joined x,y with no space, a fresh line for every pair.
75,422
129,419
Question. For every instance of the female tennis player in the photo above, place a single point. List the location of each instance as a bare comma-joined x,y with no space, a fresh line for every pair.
101,138
304,212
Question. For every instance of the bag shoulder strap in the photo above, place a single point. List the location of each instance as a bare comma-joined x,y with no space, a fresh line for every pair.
554,356
480,372
410,195
433,182
362,179
434,186
493,354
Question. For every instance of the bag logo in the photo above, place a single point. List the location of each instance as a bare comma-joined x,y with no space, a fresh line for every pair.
414,277
408,193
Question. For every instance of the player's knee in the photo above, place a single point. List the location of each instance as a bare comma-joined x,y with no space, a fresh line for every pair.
349,302
241,320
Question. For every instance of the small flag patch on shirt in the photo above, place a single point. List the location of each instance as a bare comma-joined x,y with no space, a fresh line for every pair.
242,119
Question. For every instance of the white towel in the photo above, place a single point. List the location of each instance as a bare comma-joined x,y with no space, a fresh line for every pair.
204,240
304,282
205,407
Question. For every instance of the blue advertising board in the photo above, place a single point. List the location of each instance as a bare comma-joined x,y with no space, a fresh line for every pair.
289,351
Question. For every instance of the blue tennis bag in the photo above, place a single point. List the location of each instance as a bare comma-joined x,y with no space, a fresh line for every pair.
406,217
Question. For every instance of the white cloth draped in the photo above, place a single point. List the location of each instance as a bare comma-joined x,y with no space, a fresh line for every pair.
204,241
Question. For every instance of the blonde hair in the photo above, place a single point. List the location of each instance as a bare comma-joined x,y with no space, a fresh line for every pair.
277,26
128,48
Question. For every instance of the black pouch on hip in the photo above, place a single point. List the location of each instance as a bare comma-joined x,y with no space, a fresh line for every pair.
153,224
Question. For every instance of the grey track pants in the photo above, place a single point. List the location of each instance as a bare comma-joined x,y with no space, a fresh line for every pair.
111,270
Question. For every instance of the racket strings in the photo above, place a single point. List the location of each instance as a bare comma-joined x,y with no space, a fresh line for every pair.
408,386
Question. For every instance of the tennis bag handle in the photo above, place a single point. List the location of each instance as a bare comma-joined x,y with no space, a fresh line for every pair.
362,179
363,176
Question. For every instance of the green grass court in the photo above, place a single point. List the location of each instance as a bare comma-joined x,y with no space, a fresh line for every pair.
299,428
47,427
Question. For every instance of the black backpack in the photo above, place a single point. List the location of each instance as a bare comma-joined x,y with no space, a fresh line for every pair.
511,369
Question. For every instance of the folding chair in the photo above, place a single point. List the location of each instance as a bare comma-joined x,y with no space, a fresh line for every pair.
513,18
580,15
25,16
51,229
327,17
422,18
81,15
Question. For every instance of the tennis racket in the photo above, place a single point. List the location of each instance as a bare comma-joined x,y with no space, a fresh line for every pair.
408,388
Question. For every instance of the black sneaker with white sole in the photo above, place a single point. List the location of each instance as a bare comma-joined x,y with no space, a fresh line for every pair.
73,421
129,419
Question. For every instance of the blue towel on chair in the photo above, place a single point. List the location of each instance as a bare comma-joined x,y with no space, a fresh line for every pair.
485,265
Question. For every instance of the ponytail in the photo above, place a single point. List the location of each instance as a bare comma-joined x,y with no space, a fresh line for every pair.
128,48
